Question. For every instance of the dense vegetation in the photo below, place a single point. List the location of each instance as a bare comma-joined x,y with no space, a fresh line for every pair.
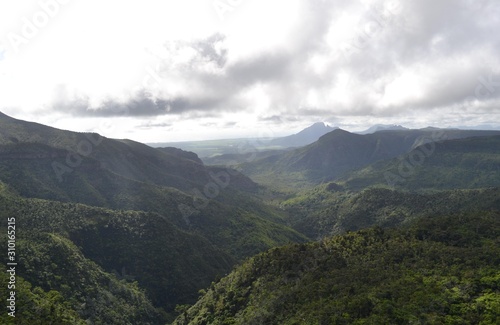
340,153
144,179
116,232
36,306
442,270
329,210
88,254
169,263
465,163
196,237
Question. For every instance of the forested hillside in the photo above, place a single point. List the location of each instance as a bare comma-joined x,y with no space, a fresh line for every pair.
325,211
116,232
159,216
442,270
460,163
81,252
224,162
338,153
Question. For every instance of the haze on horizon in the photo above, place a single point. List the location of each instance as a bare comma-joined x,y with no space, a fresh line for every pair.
157,71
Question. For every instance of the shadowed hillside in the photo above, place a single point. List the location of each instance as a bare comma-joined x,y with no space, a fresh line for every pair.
197,222
461,163
340,152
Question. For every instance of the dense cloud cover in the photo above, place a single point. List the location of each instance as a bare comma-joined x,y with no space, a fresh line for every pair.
351,63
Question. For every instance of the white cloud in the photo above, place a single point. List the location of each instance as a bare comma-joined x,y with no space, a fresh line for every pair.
162,62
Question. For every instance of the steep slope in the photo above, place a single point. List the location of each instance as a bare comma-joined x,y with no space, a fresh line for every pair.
210,201
198,221
62,245
54,264
339,152
28,169
237,223
438,271
461,163
36,306
327,210
127,158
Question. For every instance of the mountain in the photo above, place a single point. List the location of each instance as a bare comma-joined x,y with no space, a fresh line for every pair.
304,137
116,232
441,270
183,201
226,151
383,127
27,169
339,152
126,158
460,163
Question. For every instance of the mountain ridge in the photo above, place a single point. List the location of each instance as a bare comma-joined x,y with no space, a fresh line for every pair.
305,136
156,223
383,127
340,151
215,207
458,163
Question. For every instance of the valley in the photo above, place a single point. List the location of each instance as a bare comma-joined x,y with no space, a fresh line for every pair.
229,162
298,230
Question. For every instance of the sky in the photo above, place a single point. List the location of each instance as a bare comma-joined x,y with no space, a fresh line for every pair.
162,71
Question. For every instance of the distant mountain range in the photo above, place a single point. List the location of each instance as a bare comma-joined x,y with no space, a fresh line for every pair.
304,137
459,163
383,127
209,149
339,152
117,232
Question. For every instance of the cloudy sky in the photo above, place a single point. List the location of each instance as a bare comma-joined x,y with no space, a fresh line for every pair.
158,71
